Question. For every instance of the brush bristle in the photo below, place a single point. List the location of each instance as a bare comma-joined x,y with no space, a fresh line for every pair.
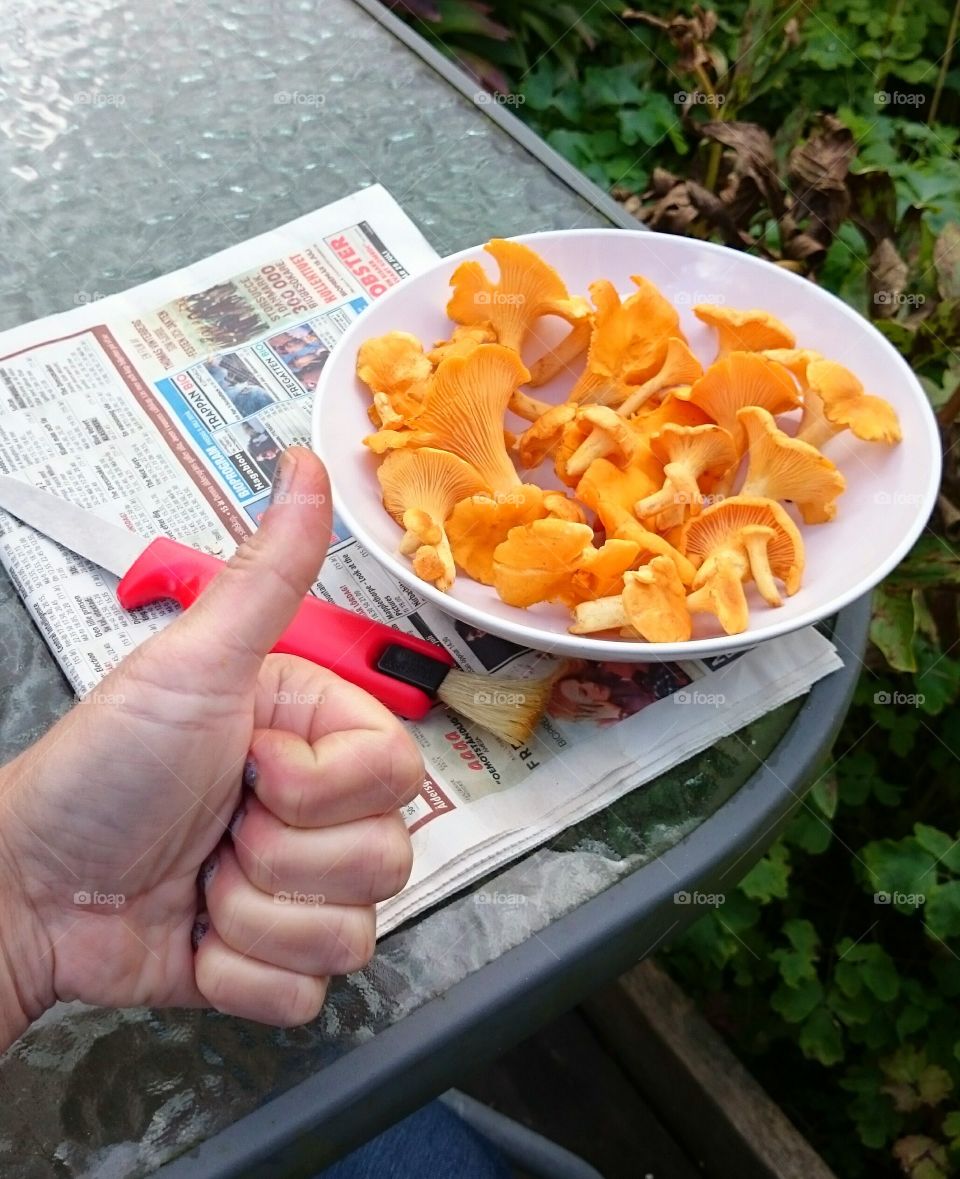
508,708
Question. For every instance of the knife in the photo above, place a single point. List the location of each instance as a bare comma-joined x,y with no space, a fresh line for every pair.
402,671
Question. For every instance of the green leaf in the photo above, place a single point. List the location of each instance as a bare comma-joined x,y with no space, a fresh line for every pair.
768,878
613,86
899,869
933,1084
809,831
821,1038
824,793
942,910
892,629
945,848
795,1003
650,122
798,965
938,678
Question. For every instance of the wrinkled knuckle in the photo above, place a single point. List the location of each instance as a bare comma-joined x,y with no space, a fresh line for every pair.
226,913
299,999
405,769
393,861
355,940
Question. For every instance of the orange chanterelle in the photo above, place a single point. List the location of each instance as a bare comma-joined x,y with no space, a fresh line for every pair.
684,486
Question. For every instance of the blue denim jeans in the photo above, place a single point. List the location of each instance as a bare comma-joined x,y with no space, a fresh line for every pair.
433,1142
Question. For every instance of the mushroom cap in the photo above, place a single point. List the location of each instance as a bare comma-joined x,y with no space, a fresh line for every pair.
426,480
527,288
541,437
716,530
603,569
744,331
479,523
741,379
628,343
655,601
846,404
611,491
680,367
537,561
464,409
395,370
705,450
463,340
795,360
781,467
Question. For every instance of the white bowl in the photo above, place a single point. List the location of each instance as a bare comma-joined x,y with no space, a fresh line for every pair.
890,490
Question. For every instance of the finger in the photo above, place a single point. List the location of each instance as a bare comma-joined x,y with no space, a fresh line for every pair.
245,987
246,609
296,931
358,863
345,775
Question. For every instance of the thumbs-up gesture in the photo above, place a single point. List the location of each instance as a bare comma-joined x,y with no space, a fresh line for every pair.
214,824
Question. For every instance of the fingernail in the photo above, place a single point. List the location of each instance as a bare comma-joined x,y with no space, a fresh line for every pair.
200,928
208,869
234,825
250,773
284,478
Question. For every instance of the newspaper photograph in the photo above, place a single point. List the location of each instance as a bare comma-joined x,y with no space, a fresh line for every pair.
165,409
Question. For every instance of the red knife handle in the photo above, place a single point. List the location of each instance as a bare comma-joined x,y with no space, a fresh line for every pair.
328,635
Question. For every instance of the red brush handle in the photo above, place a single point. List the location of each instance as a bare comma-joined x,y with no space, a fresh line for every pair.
330,636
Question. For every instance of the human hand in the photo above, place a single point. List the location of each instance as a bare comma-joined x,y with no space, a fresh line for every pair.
120,882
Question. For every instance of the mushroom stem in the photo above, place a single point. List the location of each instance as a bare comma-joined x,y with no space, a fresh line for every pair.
720,591
639,398
814,426
527,407
597,444
680,488
756,538
600,614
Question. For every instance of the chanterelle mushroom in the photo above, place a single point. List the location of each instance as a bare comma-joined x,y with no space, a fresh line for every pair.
736,539
652,606
688,453
420,489
680,367
835,400
537,561
628,344
785,468
741,379
463,412
527,289
744,331
396,371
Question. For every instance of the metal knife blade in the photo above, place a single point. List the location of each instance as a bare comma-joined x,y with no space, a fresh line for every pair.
108,545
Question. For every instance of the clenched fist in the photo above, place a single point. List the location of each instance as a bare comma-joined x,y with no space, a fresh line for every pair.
215,823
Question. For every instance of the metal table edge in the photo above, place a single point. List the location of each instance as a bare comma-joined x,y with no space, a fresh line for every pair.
506,119
407,1064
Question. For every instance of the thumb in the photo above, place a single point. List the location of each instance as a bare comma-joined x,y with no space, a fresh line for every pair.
247,607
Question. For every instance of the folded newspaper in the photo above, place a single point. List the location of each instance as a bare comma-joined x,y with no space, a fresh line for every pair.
165,408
